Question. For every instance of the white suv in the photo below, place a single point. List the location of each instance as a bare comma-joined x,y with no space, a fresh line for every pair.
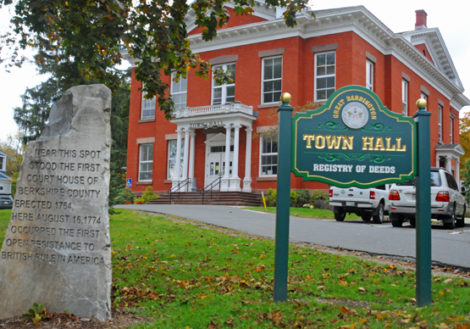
447,202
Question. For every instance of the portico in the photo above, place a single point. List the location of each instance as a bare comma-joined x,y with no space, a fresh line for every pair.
222,125
448,157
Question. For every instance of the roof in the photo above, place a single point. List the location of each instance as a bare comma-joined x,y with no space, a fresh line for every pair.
439,73
1,153
3,176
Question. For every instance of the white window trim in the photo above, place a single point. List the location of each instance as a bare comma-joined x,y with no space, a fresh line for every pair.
145,162
224,86
175,93
262,78
405,86
315,76
370,74
260,174
146,106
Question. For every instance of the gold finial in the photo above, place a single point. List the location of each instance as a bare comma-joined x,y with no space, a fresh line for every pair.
421,103
286,97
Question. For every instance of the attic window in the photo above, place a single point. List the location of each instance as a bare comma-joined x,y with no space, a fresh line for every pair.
424,52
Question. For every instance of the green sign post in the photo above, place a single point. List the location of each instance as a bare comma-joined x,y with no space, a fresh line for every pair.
353,140
423,208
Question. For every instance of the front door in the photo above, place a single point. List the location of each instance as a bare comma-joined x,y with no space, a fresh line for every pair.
215,164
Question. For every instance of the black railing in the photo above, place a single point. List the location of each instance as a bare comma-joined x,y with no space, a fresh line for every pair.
179,187
210,187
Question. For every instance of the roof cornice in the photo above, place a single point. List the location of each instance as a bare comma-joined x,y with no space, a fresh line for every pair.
361,21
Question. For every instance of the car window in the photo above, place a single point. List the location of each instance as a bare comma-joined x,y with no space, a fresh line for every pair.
451,181
435,178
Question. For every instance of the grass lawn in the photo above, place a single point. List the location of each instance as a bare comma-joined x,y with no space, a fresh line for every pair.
307,212
181,275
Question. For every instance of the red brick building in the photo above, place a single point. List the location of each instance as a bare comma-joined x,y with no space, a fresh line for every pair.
236,124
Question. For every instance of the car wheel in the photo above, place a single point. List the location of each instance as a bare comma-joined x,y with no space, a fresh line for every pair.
461,221
339,214
397,220
379,214
449,222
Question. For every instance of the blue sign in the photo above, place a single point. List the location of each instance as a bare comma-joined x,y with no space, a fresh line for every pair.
129,182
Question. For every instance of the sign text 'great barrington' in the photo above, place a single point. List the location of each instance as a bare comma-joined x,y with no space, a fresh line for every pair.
353,140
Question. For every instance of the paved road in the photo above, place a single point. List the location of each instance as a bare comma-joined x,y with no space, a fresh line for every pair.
450,247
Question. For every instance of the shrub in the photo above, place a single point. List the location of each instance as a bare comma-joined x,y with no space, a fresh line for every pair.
147,196
125,196
271,198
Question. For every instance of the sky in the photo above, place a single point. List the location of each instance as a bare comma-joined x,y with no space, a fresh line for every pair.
398,15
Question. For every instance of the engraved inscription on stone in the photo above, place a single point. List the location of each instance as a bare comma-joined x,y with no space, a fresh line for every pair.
56,249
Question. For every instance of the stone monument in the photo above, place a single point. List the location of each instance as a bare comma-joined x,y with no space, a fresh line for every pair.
57,249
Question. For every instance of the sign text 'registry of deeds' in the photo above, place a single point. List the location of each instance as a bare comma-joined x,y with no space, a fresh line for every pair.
354,140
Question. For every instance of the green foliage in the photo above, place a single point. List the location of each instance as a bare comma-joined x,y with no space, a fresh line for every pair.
81,42
119,127
147,196
271,198
125,196
298,198
36,314
465,176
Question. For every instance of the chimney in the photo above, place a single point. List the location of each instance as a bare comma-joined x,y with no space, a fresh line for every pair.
421,19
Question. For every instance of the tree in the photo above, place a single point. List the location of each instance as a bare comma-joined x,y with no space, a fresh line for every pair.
464,126
80,41
37,102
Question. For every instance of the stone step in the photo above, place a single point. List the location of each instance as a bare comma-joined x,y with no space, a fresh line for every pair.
214,197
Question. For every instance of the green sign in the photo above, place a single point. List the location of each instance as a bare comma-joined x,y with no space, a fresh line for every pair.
353,140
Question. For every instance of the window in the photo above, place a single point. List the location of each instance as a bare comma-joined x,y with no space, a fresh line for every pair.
439,124
404,96
370,75
171,170
425,97
179,90
224,93
2,159
451,129
272,79
148,107
268,155
325,75
145,162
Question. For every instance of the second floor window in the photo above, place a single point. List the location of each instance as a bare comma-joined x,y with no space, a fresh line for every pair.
370,75
224,93
439,123
404,96
148,107
179,90
325,75
272,79
451,129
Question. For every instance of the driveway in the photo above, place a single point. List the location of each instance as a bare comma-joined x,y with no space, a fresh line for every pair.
449,247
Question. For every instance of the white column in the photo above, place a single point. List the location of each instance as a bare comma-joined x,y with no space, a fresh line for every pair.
192,155
226,179
184,176
176,179
247,179
235,180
